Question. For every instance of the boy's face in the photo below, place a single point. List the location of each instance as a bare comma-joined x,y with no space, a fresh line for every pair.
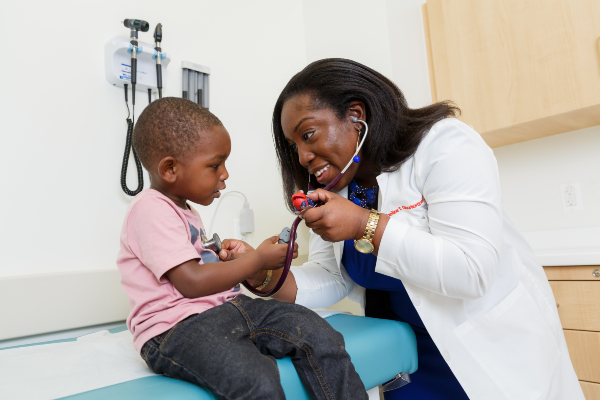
203,174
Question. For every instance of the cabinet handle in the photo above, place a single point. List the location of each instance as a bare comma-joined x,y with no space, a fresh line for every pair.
557,305
596,273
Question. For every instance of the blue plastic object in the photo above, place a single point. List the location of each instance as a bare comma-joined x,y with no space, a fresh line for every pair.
140,49
162,55
380,349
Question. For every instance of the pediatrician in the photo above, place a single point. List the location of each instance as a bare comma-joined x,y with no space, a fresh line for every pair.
444,257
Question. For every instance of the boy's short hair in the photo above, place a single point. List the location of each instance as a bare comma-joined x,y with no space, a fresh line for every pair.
170,126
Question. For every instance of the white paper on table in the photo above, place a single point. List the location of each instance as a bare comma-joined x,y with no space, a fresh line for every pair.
94,361
326,313
57,370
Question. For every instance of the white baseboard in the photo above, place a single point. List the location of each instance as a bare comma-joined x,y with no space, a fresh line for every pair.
42,303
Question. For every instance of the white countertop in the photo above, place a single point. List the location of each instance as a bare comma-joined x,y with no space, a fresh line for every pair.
579,246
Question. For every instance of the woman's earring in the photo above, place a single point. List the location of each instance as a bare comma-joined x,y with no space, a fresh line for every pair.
356,158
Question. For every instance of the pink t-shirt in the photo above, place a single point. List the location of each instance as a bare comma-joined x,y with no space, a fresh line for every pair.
157,236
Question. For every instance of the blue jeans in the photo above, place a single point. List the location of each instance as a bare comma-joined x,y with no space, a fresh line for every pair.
231,350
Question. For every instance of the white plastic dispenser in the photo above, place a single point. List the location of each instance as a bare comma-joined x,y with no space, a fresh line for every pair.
117,61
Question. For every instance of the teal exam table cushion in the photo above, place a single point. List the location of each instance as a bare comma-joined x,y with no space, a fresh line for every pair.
380,349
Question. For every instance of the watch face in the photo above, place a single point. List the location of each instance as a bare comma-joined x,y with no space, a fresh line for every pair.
363,246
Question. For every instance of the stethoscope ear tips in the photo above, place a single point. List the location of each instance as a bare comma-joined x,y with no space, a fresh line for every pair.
354,119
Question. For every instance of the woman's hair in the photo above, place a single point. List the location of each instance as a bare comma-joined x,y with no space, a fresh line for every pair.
395,130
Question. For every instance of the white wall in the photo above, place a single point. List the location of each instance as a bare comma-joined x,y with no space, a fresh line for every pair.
63,125
351,29
531,174
385,35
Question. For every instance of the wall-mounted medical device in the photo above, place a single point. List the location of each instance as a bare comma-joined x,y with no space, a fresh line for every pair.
195,83
117,62
129,62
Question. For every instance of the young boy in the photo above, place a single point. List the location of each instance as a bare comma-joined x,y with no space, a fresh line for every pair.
188,318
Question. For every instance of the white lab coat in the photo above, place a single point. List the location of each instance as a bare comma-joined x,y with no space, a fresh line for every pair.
473,279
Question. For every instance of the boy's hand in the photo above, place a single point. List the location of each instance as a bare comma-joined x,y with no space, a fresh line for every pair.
233,248
273,254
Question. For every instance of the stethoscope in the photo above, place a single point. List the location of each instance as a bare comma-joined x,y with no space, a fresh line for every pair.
292,236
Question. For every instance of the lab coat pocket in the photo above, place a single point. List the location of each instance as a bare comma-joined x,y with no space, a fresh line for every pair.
514,345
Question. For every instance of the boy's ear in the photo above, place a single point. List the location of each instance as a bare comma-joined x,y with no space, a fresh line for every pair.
167,169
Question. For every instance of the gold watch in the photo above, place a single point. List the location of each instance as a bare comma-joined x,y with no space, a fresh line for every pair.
365,243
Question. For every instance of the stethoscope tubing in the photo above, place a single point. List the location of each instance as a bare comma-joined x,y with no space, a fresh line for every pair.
290,251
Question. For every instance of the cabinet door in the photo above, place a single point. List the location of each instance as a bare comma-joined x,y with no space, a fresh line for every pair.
573,273
584,348
591,391
518,69
578,304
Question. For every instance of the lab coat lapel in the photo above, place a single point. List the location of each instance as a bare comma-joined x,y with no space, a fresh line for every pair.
382,181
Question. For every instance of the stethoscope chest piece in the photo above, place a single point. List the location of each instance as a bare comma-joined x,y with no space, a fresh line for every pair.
213,244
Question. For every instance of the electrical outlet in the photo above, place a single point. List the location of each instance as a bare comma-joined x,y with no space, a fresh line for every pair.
571,197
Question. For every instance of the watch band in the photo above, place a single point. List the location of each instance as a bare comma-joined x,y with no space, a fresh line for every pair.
371,226
266,282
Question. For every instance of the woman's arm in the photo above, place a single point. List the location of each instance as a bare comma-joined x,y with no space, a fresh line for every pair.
315,284
286,293
458,257
319,281
458,177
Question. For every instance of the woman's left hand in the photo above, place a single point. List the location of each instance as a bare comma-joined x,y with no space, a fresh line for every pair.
337,219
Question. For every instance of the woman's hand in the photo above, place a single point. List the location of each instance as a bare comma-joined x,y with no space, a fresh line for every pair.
337,219
233,248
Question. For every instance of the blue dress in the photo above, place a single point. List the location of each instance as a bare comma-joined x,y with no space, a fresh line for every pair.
433,380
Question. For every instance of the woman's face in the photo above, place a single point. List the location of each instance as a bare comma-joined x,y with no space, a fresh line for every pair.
324,143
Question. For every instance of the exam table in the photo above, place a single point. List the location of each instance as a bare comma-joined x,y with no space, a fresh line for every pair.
381,351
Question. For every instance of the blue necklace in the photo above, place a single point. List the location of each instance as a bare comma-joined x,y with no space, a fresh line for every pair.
368,197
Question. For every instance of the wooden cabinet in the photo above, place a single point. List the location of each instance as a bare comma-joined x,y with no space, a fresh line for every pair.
577,294
578,304
519,70
590,390
584,349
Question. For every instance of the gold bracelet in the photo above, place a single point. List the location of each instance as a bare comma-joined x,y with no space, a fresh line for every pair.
266,282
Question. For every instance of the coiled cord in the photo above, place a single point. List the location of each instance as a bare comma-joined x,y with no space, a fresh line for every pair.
128,148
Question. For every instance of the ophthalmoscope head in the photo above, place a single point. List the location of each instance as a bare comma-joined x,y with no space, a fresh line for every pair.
136,25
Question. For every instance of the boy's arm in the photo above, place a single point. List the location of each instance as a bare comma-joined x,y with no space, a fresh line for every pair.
198,280
193,280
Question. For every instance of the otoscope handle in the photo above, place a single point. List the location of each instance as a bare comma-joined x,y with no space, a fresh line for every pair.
290,250
158,76
133,71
